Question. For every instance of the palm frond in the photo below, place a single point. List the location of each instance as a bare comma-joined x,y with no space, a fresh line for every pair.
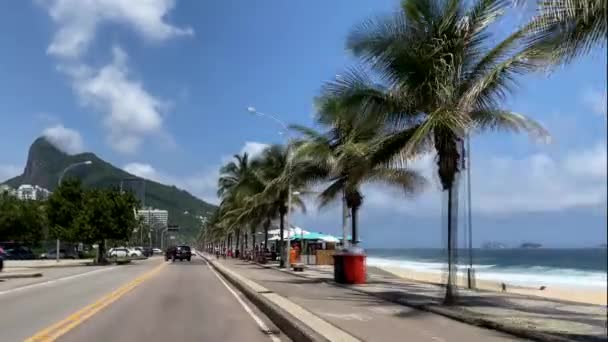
330,193
390,150
411,182
567,29
497,82
497,119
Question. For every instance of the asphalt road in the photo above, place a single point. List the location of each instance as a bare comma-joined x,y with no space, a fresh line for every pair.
181,301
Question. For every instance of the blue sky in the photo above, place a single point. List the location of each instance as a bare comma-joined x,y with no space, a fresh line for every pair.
161,89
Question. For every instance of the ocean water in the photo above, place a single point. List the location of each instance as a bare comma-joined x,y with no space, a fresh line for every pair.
526,267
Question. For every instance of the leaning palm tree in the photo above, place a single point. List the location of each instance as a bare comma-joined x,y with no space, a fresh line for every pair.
345,155
438,77
567,29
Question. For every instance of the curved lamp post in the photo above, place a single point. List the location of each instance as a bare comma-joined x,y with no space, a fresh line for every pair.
287,137
86,162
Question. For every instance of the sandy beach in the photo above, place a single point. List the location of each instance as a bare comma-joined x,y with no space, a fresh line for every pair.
589,295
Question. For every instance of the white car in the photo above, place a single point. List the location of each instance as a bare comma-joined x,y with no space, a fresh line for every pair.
121,252
157,251
118,252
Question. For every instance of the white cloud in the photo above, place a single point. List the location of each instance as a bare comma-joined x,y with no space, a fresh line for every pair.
130,112
8,171
66,139
79,20
253,148
505,185
596,100
144,171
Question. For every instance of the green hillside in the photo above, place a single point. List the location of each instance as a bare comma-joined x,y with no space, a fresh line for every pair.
45,163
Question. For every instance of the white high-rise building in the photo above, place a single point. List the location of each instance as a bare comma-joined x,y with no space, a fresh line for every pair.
32,192
154,217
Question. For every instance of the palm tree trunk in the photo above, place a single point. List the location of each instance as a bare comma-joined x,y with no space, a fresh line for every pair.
238,240
280,249
449,288
242,247
101,249
266,226
246,239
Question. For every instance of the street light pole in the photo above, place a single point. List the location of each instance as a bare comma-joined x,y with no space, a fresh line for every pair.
471,271
69,167
162,239
289,159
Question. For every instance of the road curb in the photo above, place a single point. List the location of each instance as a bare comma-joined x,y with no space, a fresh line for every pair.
290,325
20,275
468,318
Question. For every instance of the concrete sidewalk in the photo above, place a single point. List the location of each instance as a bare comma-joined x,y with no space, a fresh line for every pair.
538,318
46,263
362,316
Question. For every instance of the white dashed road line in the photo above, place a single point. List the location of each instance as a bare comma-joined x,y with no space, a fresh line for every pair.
255,317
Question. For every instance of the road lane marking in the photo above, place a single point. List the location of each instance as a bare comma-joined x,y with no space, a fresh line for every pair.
255,317
54,331
52,281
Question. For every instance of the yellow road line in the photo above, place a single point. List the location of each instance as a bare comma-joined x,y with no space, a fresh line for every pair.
52,332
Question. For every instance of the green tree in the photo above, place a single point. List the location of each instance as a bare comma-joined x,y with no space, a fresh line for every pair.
106,214
64,206
22,221
441,77
346,155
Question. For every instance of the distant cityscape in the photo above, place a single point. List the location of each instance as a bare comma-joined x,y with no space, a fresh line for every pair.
26,192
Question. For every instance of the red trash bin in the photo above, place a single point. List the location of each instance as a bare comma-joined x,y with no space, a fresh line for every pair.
354,268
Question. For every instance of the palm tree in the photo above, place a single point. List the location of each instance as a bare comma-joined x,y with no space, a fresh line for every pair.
440,77
237,182
346,155
278,174
566,29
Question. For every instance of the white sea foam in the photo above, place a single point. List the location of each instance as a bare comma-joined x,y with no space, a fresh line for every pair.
524,276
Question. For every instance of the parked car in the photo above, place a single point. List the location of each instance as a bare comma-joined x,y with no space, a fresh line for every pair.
135,252
19,253
16,251
63,254
124,252
118,252
146,251
178,252
157,251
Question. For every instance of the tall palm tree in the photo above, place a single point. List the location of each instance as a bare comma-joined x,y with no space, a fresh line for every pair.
346,155
437,77
566,29
278,172
236,184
